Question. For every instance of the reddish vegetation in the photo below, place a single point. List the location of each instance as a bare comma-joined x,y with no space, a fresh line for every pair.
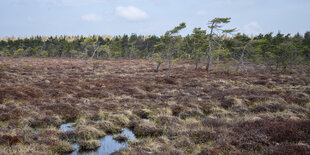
193,111
11,139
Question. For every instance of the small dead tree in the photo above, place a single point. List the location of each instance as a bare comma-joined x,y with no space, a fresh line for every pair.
95,66
241,58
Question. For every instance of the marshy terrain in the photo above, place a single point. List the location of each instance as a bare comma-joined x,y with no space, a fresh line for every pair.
192,112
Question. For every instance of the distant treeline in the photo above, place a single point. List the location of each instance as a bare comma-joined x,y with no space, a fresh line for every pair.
277,50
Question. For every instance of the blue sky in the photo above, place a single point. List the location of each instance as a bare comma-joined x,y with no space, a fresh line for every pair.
23,18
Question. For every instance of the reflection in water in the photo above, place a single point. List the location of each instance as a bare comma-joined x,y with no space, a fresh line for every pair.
146,120
129,134
67,127
107,144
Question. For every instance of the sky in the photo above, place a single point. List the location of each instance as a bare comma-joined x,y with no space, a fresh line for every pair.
25,18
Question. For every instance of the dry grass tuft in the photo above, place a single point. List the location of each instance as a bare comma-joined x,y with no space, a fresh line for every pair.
145,129
88,145
62,147
109,127
89,132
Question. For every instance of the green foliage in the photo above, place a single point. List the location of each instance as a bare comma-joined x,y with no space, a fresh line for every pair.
134,52
276,51
218,23
18,52
73,53
199,44
2,68
158,58
216,42
44,53
285,55
89,40
176,29
5,52
224,54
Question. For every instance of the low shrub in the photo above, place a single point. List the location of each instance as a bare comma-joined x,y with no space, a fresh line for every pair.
267,107
145,129
195,113
109,127
212,122
120,138
228,102
89,132
62,147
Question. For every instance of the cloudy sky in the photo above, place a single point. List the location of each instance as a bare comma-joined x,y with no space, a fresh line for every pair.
22,18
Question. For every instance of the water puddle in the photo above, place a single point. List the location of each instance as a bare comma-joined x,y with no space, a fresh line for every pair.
146,120
129,134
108,145
67,127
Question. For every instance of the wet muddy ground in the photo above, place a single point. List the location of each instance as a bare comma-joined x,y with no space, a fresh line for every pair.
193,112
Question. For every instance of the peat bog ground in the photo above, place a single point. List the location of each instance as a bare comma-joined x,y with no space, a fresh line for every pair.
193,112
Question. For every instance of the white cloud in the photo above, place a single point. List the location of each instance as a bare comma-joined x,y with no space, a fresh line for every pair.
91,17
131,13
252,28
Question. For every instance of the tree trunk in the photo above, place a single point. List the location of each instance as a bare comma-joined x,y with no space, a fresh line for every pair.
210,50
86,52
95,52
169,66
208,63
240,62
170,52
157,68
242,55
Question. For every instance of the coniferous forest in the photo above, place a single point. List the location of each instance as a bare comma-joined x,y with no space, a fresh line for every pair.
214,91
277,51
